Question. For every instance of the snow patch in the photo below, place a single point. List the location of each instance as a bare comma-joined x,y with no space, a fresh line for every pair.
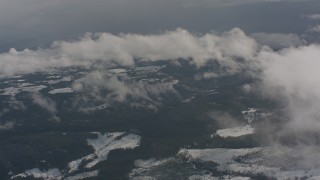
84,175
53,77
221,156
33,88
117,71
209,92
145,166
56,81
246,162
51,174
235,132
143,178
73,165
210,177
25,84
202,177
16,77
12,91
102,146
95,108
188,100
61,91
150,162
150,69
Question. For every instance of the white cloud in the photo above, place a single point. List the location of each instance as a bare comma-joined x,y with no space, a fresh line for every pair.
292,77
247,88
105,48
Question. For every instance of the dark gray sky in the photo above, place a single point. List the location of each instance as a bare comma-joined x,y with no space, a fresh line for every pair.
32,23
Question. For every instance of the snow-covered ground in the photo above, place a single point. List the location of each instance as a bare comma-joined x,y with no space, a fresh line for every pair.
150,162
102,145
149,69
209,92
143,166
211,177
221,156
174,168
234,132
54,174
188,100
53,77
238,161
117,71
24,87
56,81
84,175
108,142
95,108
51,174
236,164
61,91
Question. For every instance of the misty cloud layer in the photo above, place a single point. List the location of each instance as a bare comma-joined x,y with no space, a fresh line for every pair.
110,49
289,75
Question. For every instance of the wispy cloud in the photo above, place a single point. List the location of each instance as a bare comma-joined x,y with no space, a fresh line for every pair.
102,87
7,125
46,104
312,16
